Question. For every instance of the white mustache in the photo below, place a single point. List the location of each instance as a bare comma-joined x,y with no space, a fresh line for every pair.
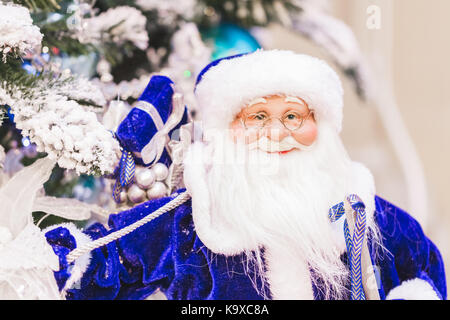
267,145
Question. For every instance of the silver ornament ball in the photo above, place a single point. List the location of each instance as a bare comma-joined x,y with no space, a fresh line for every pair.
161,171
158,190
122,196
137,170
135,194
145,178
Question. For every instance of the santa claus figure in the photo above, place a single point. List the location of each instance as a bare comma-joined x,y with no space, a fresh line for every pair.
277,209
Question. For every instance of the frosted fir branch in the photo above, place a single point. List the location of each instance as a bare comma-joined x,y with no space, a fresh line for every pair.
63,129
169,10
35,5
18,35
83,91
119,25
77,88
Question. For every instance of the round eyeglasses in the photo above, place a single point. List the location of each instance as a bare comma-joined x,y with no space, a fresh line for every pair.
291,120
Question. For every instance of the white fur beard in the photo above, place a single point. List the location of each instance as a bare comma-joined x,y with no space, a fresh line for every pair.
244,201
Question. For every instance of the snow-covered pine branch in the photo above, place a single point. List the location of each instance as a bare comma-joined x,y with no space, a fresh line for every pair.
119,25
18,35
63,129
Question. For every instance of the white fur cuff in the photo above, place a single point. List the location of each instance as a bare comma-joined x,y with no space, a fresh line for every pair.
415,289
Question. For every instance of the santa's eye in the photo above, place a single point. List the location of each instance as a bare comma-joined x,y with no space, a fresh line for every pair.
292,120
255,120
258,116
291,116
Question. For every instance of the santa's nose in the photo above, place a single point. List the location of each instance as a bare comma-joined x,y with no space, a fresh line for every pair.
275,131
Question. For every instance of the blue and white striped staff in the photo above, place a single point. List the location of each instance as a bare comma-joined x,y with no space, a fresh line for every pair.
357,251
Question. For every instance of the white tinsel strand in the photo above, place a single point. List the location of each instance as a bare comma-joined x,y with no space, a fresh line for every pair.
18,35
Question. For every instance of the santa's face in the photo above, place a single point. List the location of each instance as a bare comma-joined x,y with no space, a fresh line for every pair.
246,199
275,123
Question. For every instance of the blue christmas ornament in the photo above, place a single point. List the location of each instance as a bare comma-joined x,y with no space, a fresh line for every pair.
28,67
228,39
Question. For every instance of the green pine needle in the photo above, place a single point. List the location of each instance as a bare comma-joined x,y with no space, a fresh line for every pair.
39,5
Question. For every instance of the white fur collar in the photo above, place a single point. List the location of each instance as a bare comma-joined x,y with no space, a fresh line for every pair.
227,243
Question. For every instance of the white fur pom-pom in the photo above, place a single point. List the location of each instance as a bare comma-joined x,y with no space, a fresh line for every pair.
415,289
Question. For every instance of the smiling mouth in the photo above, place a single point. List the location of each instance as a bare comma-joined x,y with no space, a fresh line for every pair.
282,152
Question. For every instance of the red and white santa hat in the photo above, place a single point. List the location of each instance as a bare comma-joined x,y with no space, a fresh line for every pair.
228,84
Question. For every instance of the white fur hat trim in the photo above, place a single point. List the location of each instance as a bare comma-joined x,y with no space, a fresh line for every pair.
231,84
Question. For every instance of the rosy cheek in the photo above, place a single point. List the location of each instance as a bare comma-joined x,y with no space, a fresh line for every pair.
307,133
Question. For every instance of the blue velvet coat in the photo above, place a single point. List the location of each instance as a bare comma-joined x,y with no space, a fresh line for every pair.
167,254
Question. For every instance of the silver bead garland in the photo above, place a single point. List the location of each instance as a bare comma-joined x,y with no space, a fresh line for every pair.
136,194
158,190
161,171
148,184
145,178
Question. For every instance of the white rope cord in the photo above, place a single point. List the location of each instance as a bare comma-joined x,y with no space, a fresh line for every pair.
177,174
88,247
